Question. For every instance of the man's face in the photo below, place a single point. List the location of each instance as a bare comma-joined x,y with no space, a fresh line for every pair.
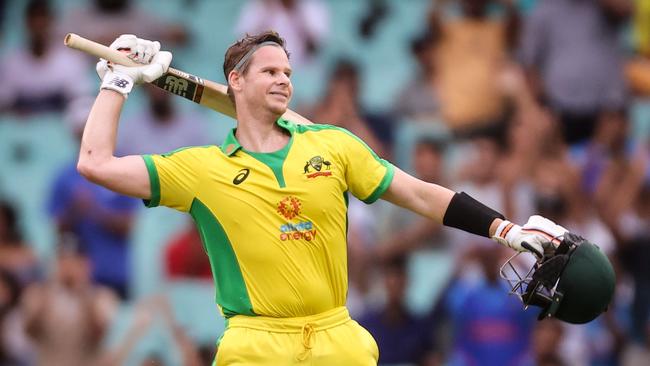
266,84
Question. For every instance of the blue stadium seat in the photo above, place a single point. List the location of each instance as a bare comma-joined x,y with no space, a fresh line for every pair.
148,240
428,271
640,119
32,150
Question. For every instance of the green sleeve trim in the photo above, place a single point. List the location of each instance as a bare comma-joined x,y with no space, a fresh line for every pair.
154,182
384,184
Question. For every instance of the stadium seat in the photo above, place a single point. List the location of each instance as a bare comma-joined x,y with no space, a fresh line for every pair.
640,119
32,150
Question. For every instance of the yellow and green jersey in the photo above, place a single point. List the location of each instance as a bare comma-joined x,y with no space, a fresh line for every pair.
274,225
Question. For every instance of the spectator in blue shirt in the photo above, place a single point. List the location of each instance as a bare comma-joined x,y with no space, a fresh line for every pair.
489,327
401,336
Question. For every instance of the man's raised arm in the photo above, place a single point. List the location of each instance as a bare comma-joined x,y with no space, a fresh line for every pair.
97,161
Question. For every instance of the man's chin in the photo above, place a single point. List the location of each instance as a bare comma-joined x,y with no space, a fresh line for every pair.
278,109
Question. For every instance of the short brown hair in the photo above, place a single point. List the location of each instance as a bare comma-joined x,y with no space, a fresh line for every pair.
239,49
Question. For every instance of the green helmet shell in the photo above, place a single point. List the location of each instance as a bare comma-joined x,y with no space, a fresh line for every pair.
585,288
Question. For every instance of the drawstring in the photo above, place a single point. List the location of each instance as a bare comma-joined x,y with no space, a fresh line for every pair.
307,333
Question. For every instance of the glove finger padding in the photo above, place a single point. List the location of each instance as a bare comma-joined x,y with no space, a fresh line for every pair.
158,67
540,225
102,68
124,42
137,49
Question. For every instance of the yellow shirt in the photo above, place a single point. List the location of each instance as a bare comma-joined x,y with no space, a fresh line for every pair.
469,60
274,225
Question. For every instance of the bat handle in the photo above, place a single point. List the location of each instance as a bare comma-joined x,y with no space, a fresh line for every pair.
80,43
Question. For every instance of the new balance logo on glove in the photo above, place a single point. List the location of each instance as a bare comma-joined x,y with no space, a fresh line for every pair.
119,82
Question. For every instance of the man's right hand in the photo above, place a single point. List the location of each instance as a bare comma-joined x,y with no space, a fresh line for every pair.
122,78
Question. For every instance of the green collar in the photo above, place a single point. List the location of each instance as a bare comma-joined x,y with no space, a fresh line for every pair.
230,145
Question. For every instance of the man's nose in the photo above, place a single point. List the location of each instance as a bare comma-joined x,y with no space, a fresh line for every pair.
284,79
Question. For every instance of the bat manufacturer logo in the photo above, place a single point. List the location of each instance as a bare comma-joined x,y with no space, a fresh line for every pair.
241,176
176,85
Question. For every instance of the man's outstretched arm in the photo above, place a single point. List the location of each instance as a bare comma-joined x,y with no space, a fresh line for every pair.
461,211
429,200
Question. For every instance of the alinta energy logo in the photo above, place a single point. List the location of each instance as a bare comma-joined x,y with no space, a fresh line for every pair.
317,163
289,208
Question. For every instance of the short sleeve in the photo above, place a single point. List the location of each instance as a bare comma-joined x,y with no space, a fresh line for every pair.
174,178
367,175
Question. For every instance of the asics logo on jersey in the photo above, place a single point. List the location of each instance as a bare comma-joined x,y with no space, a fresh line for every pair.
241,176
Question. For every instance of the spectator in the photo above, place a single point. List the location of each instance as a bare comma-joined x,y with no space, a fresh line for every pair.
104,20
67,316
481,174
546,343
637,353
99,219
146,312
419,98
42,76
303,24
402,231
401,336
489,327
572,53
472,53
362,239
340,106
16,257
185,256
15,348
633,232
637,69
165,128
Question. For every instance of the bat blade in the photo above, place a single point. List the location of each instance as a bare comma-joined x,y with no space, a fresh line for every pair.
207,93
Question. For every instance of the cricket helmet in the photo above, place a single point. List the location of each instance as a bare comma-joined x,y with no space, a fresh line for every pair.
573,282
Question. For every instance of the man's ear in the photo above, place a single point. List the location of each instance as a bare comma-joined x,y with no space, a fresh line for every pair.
235,80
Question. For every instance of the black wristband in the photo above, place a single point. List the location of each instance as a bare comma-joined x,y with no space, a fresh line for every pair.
470,215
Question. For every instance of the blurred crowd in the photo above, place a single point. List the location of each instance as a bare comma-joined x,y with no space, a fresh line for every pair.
530,106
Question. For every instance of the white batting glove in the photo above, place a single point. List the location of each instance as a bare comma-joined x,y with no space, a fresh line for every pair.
122,78
533,237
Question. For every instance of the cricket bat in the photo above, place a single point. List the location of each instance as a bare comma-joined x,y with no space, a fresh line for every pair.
201,91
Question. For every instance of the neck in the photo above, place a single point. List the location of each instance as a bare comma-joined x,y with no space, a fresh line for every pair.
258,132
